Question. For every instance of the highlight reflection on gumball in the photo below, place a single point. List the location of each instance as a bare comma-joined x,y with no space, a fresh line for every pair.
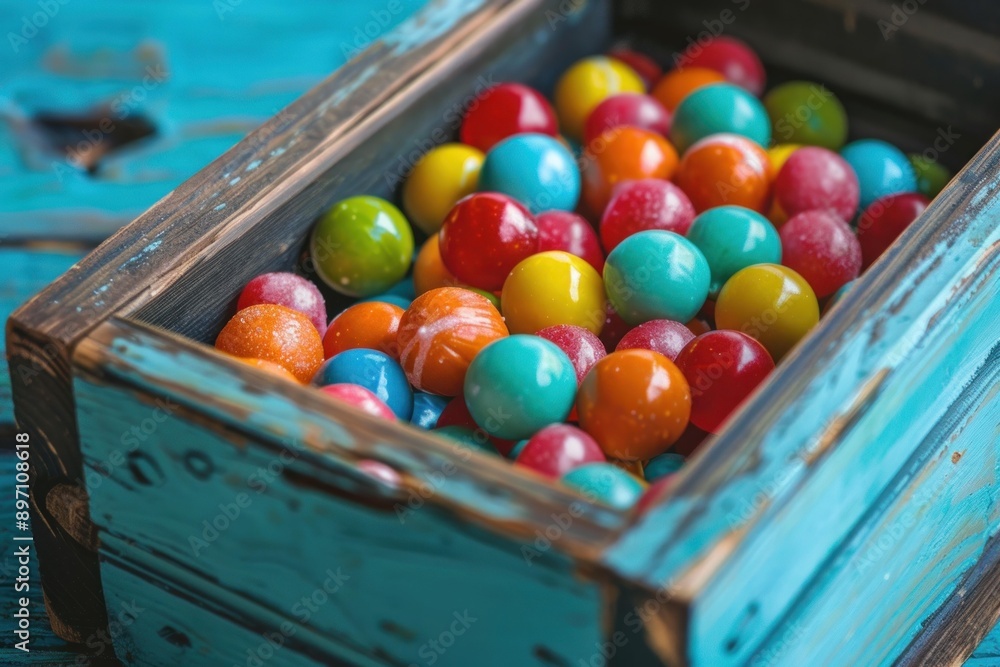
626,110
373,370
821,248
605,483
623,154
427,409
289,290
439,335
635,403
583,348
505,110
370,324
679,83
484,236
815,178
726,169
535,169
553,288
361,398
645,204
557,449
881,168
732,57
588,83
664,336
722,368
570,232
437,181
732,238
663,465
277,334
805,112
883,222
719,108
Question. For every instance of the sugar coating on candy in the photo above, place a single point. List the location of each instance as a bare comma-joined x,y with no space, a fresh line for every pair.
274,333
361,398
821,247
664,336
289,290
563,230
557,449
645,204
583,348
815,178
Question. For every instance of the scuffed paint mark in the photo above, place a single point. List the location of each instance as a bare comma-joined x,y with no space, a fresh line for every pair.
429,25
142,254
235,180
220,207
348,89
277,151
253,165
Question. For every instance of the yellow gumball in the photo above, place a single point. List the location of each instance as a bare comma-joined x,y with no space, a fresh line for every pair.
552,288
770,303
588,83
441,177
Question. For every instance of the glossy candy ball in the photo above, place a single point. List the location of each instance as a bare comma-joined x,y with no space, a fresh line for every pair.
732,238
732,58
726,169
644,66
427,409
277,334
439,335
362,246
484,236
553,288
663,465
557,449
626,110
931,175
722,368
822,248
370,324
884,220
289,290
429,271
605,483
535,169
505,110
656,275
881,168
779,154
679,83
635,403
623,154
361,398
583,348
570,232
804,112
373,370
719,108
664,336
440,178
519,384
772,304
588,83
815,178
642,205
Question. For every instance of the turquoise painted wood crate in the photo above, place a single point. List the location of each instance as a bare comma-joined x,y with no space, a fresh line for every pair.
846,516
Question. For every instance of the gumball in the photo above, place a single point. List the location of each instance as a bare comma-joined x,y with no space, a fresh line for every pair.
505,110
605,483
664,336
719,108
679,83
656,275
731,57
623,154
931,175
804,112
277,334
484,236
583,348
429,271
882,169
440,178
884,220
289,290
562,230
268,367
644,66
645,204
362,246
626,110
779,154
553,288
381,472
361,398
517,449
732,238
534,169
557,449
815,178
588,83
441,332
519,384
772,304
370,324
467,437
663,465
614,328
635,403
427,409
821,248
373,370
726,169
722,368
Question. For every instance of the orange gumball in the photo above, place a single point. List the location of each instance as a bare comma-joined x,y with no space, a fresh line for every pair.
726,169
277,334
677,84
623,154
268,367
439,335
429,271
635,403
369,324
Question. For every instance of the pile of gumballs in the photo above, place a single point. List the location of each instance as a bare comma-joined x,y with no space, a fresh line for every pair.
605,278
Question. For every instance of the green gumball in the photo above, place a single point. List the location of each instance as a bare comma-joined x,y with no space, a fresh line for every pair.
807,113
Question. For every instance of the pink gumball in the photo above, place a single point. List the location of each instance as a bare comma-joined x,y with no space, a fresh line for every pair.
822,248
815,178
359,397
664,336
637,206
289,290
583,348
569,232
626,110
732,58
559,448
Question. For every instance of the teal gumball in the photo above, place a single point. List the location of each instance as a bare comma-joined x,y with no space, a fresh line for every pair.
605,483
732,238
718,108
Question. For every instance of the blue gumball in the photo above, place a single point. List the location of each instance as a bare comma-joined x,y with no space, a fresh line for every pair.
718,108
660,466
605,483
882,169
373,370
535,169
427,409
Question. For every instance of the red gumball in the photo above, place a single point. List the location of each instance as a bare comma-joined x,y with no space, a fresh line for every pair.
569,232
626,110
289,290
644,66
722,368
664,336
816,178
645,204
614,328
559,448
884,220
732,58
821,247
504,110
359,397
583,348
484,236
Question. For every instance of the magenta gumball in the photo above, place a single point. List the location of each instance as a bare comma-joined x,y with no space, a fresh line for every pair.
664,336
569,232
559,448
884,220
289,290
815,178
583,348
732,58
638,206
822,248
626,110
361,398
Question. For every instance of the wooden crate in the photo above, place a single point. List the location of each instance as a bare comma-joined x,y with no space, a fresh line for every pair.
846,516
